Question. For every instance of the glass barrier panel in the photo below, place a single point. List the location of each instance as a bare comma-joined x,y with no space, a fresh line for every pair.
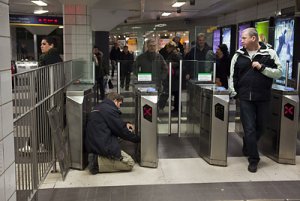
193,74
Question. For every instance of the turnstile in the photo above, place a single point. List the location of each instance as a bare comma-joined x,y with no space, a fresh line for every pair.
146,125
213,110
193,105
78,106
280,139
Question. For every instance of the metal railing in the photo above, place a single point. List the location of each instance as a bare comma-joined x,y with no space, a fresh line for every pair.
34,93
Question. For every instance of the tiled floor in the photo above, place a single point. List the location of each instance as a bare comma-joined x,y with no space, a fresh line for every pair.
274,191
179,164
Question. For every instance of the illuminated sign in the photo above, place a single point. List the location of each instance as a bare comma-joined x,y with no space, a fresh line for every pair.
289,111
35,20
147,112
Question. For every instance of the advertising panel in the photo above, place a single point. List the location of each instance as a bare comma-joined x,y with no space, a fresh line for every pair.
262,28
226,37
284,45
216,39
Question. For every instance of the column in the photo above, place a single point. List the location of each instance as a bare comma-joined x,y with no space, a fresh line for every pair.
78,38
102,41
7,156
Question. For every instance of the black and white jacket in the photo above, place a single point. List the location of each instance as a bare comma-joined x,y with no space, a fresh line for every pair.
252,84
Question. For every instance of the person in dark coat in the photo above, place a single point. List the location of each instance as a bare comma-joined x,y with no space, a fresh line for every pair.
126,59
201,52
223,66
104,127
100,72
163,51
176,39
114,57
253,68
49,54
151,62
174,57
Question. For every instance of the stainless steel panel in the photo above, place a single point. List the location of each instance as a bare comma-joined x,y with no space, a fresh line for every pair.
219,131
78,105
279,141
149,139
288,131
214,124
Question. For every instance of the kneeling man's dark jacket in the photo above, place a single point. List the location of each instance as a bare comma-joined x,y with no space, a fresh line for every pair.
103,129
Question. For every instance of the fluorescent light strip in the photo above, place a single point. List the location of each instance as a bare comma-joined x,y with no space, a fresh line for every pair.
165,14
178,4
39,3
40,12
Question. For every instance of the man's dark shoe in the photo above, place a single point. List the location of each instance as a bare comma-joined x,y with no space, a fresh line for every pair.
252,167
94,171
93,164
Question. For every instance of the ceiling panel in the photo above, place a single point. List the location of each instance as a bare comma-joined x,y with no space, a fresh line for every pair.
143,10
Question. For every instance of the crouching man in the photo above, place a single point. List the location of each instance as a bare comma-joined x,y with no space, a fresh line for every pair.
104,127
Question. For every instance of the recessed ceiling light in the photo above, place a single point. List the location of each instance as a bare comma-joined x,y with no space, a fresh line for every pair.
40,11
165,14
61,27
40,3
178,4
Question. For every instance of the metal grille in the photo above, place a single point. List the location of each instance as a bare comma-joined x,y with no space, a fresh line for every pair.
34,93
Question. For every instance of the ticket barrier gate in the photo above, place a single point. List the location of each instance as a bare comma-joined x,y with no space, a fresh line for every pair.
78,106
193,105
280,139
146,99
213,110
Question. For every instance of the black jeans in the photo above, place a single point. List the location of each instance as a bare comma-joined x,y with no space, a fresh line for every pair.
100,86
254,116
125,77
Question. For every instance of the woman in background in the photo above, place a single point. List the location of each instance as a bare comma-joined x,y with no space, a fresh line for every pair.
223,66
50,53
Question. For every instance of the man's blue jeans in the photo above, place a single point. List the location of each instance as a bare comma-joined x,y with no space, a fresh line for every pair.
254,116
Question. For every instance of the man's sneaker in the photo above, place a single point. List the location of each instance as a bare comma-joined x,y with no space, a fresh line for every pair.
252,167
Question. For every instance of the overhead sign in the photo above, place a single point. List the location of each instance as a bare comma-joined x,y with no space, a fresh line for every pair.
35,20
132,41
289,111
147,112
